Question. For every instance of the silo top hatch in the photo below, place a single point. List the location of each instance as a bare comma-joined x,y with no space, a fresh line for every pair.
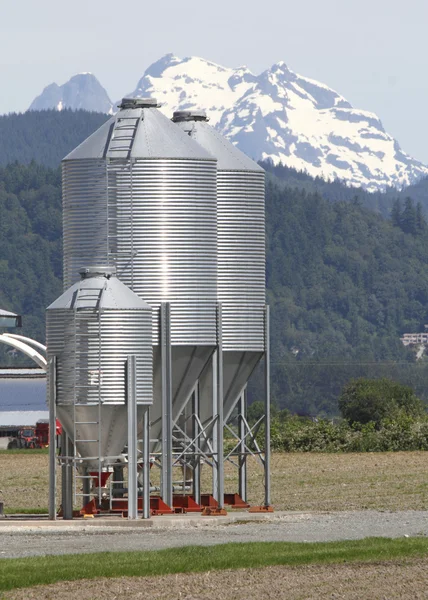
139,131
229,157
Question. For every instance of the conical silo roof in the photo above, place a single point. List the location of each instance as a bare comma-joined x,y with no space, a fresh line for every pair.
146,131
229,157
116,295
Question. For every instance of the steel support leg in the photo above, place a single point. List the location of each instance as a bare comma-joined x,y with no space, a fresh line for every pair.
167,459
86,487
52,438
218,443
146,463
267,407
242,407
196,447
67,450
132,438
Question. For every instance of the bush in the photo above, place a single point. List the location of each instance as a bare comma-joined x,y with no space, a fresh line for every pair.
304,435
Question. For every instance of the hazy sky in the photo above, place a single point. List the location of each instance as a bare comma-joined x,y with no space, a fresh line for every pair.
373,52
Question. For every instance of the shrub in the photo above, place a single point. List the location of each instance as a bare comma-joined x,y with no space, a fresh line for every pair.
303,435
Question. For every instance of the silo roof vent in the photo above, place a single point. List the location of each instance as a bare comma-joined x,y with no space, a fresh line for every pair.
97,271
189,115
138,103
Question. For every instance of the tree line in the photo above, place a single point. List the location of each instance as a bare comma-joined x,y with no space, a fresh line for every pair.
344,283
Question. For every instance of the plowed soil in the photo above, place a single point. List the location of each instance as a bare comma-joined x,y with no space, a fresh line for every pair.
390,580
303,482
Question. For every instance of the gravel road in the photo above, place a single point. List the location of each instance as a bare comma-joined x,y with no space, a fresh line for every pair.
292,527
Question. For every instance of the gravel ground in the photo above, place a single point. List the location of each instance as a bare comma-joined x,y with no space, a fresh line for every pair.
389,580
293,527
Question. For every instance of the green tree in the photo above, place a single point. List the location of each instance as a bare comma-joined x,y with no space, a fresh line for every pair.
408,217
421,224
364,400
396,213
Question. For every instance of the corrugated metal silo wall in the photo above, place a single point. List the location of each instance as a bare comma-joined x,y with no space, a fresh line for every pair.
91,353
241,259
165,244
84,198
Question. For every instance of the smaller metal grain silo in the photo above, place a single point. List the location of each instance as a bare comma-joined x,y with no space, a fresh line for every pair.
241,258
92,330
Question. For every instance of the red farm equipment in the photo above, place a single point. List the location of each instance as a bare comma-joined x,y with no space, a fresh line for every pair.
34,437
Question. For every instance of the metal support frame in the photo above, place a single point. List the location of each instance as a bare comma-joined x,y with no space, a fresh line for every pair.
167,420
267,408
146,463
86,487
196,446
52,438
218,437
67,452
242,407
132,437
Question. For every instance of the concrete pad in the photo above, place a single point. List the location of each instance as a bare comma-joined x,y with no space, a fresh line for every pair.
9,524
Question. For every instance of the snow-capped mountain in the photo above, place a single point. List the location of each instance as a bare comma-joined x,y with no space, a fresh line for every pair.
277,115
82,91
282,116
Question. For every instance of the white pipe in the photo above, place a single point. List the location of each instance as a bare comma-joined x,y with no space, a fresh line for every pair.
26,349
27,340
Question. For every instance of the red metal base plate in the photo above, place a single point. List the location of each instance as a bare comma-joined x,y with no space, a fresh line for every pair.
214,512
261,509
185,504
235,501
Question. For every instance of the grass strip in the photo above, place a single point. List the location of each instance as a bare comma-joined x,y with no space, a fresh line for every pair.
26,572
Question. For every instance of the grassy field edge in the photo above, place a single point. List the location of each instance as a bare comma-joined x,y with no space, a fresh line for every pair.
28,572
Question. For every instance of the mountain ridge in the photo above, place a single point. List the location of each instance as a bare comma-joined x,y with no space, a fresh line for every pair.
81,92
284,117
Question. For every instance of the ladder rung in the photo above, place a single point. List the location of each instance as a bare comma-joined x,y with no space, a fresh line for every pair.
87,441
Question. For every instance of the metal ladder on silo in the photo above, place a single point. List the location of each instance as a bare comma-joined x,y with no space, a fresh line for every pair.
122,138
120,147
94,295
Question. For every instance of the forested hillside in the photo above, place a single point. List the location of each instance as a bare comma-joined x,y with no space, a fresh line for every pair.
30,243
343,285
343,282
337,191
44,136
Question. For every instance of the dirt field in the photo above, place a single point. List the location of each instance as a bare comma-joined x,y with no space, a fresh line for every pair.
304,482
390,580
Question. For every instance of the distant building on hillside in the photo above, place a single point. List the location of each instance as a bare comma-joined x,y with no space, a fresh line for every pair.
411,339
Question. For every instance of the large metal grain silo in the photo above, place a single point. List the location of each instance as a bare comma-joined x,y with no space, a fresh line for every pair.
140,194
241,258
91,331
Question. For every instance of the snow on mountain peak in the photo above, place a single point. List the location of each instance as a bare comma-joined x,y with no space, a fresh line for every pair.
192,82
277,115
285,117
